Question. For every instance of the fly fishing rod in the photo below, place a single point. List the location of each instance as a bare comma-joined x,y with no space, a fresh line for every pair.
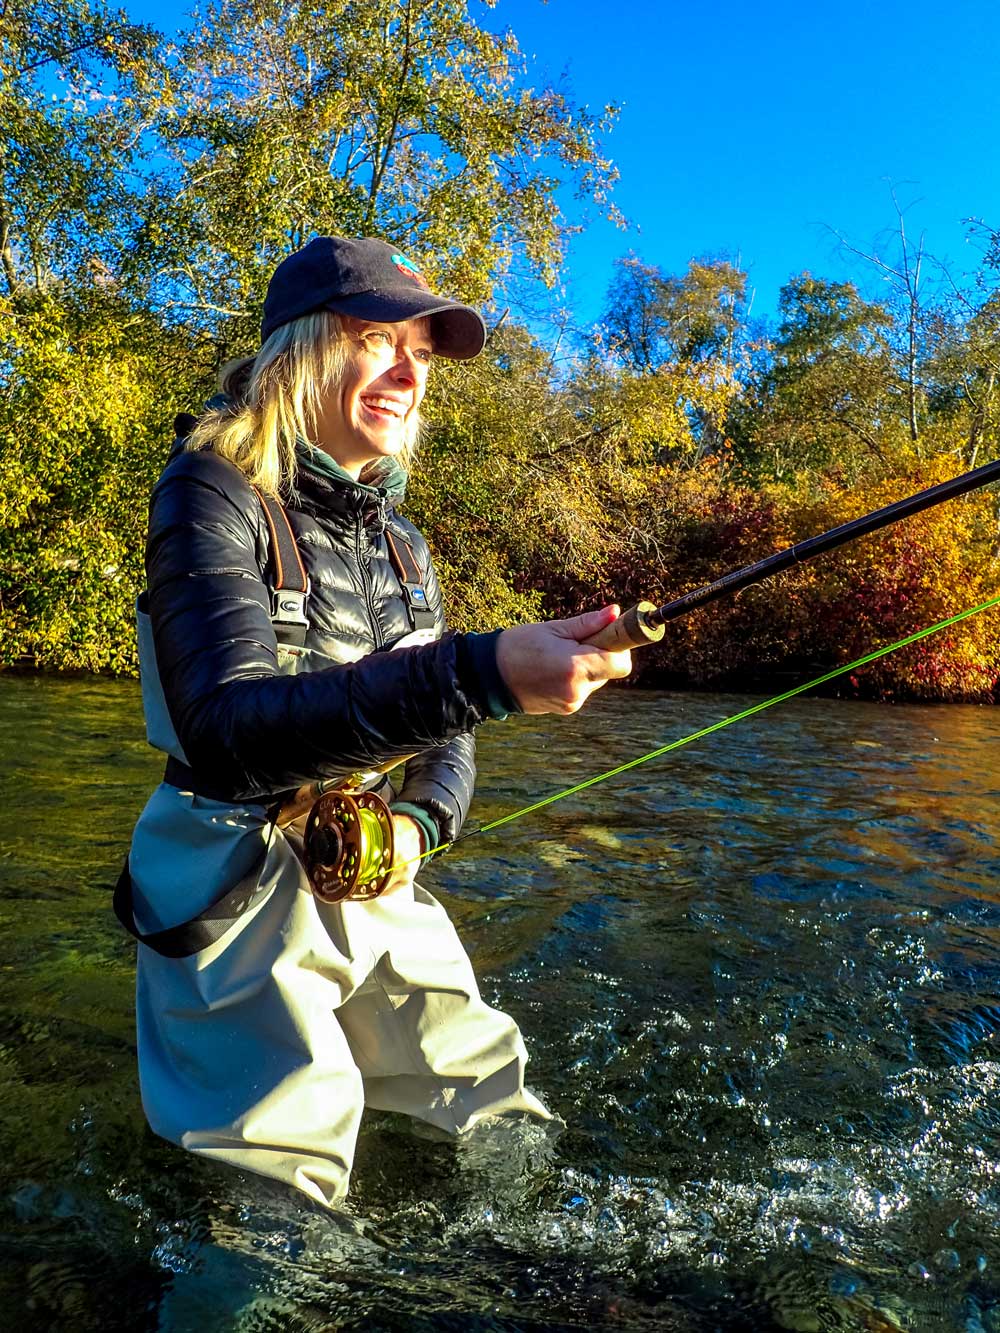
348,845
645,623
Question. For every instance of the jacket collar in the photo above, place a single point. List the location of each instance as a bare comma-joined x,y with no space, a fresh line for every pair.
323,486
385,479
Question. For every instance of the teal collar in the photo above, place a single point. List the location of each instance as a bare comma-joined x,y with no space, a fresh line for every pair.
385,477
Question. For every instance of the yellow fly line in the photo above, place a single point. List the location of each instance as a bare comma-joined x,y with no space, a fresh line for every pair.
717,726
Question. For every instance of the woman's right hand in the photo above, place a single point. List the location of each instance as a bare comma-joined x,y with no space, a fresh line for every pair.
550,668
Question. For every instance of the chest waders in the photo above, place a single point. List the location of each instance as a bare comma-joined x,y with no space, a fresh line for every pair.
268,1018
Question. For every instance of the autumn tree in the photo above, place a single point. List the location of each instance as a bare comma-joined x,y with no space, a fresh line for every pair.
963,375
831,391
507,484
79,351
668,357
901,264
402,118
654,318
68,131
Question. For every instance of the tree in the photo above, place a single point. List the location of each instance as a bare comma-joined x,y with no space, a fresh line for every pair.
904,271
831,385
84,422
508,486
963,372
70,124
402,118
81,361
672,351
652,318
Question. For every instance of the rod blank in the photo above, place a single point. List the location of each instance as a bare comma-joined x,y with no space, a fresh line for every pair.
643,623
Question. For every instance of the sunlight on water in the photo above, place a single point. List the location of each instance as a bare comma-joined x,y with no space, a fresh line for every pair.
760,983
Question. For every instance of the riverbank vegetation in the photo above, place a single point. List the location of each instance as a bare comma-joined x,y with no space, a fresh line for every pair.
148,186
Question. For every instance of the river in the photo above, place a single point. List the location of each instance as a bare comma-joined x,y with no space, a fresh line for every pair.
760,984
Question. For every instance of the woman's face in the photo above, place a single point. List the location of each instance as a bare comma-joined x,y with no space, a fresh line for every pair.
367,415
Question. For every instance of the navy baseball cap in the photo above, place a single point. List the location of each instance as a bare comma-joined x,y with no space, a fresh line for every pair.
369,279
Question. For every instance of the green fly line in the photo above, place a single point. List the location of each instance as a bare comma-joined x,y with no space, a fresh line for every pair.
371,841
716,726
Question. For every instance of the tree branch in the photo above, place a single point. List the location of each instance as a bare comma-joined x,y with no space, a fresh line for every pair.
379,173
6,250
55,56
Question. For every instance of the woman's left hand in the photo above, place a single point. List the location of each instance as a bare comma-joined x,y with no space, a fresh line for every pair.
409,841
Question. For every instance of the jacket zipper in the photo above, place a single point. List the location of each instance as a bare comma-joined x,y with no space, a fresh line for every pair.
364,565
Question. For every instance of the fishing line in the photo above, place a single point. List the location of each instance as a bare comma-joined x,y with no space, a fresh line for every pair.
715,726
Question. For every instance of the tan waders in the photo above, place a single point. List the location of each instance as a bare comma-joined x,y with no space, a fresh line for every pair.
262,1049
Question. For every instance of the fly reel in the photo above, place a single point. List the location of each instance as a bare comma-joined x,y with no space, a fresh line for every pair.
348,846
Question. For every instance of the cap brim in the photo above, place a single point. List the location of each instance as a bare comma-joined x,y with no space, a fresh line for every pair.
458,331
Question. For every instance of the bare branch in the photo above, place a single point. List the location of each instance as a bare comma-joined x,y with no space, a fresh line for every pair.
390,142
55,56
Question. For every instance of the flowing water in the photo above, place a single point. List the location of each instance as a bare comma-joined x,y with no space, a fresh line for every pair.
760,984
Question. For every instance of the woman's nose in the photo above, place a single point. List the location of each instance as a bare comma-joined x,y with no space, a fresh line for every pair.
405,367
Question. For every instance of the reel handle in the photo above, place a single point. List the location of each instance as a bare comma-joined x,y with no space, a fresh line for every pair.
302,801
632,629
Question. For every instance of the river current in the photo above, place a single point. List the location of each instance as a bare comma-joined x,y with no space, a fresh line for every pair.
760,984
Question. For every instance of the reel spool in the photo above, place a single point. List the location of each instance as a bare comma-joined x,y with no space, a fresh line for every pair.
349,846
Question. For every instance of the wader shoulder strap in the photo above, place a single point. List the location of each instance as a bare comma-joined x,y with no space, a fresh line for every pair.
190,937
290,585
404,562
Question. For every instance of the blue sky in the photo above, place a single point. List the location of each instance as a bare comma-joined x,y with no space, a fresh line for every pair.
749,130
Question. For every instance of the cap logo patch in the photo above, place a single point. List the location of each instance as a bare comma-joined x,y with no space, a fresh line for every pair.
408,267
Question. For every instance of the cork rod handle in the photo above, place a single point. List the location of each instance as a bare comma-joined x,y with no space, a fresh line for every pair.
631,630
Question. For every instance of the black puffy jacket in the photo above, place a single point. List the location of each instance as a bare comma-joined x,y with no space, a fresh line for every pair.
250,732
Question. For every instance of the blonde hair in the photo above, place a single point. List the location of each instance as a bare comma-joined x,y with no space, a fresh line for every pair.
276,398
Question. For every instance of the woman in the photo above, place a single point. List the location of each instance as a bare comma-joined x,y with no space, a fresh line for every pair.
268,1018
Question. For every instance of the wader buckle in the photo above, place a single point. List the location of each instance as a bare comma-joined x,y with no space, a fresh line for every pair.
415,597
288,614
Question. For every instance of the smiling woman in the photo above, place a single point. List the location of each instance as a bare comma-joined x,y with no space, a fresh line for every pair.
291,971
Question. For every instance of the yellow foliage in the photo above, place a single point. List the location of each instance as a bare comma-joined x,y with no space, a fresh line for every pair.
842,604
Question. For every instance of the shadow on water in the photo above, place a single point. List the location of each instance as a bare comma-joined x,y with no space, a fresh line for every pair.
759,983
